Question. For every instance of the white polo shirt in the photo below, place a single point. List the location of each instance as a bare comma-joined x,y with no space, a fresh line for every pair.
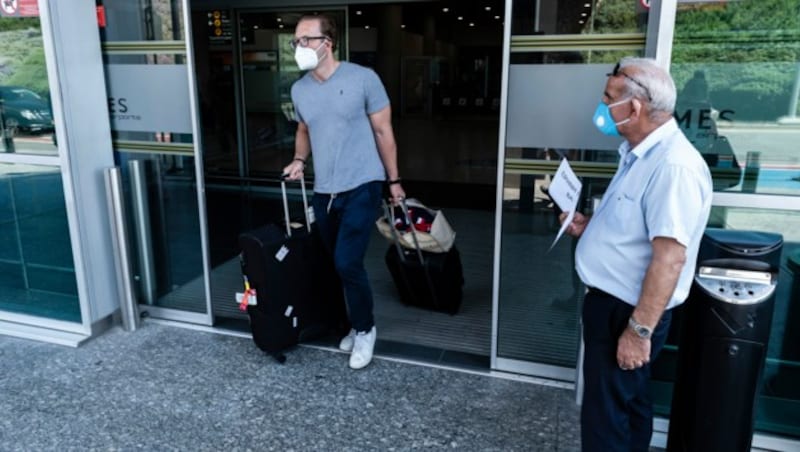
662,188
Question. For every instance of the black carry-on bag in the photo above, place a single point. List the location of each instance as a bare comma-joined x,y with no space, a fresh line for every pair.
424,279
280,264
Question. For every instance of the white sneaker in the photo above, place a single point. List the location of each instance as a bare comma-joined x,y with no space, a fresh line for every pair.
363,346
346,344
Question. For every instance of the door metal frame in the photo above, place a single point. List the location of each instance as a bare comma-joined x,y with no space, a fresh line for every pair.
197,140
206,318
30,326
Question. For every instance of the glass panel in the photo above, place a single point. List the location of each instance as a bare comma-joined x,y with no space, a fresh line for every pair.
129,108
554,17
268,72
37,273
552,95
778,405
146,20
172,222
216,69
738,77
26,117
540,293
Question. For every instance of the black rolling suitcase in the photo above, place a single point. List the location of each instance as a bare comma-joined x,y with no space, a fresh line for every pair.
280,264
424,279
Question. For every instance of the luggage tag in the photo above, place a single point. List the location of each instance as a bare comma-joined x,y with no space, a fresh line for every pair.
248,298
281,254
310,215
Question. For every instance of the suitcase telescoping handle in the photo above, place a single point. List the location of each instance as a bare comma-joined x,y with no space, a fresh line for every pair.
389,213
286,204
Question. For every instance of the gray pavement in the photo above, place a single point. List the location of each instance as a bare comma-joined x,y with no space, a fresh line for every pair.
169,388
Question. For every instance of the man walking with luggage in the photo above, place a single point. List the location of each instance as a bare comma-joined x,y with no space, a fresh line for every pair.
637,253
344,118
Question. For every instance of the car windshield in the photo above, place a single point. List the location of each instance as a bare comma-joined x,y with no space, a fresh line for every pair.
19,94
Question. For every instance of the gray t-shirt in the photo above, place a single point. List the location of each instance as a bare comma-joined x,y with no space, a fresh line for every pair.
336,112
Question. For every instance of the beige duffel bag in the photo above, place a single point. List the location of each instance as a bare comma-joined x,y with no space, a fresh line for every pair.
439,239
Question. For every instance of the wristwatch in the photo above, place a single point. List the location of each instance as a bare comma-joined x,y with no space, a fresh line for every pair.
640,330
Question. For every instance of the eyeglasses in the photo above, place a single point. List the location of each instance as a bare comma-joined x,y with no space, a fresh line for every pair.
617,72
303,41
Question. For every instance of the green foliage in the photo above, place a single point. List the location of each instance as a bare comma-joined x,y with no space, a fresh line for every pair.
22,60
32,73
615,16
749,51
19,23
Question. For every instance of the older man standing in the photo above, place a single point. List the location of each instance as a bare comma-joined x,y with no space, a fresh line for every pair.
637,253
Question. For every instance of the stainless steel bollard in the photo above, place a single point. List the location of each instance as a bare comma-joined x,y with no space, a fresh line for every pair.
129,309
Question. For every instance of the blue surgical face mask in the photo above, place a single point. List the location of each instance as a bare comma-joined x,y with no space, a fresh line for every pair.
604,122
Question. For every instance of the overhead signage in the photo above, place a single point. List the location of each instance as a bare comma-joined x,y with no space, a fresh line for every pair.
19,8
149,98
220,29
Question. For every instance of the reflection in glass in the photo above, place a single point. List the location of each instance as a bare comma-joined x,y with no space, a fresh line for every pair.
735,66
37,273
153,20
779,402
554,17
26,117
540,293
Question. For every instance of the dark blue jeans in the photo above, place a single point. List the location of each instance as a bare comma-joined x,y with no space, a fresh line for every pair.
617,413
345,223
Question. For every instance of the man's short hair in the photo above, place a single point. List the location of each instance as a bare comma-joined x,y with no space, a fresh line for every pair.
653,82
327,26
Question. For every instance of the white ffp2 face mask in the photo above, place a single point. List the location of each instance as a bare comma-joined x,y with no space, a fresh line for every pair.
307,58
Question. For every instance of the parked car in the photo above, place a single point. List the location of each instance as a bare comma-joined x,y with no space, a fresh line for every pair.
25,111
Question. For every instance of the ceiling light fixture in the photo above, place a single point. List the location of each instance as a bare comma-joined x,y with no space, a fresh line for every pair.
460,17
444,10
358,13
488,8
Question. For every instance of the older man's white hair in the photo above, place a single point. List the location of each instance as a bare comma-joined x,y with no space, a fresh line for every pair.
660,89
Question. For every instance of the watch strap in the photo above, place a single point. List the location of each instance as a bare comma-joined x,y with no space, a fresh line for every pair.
642,331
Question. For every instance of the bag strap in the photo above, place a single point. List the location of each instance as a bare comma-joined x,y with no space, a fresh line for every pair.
388,214
404,207
286,204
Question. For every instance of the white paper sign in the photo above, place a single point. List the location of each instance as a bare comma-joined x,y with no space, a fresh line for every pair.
565,191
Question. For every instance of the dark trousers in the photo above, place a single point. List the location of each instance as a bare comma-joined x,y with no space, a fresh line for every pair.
617,413
345,223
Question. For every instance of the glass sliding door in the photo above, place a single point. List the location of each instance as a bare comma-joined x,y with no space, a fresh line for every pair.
245,69
559,55
150,81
